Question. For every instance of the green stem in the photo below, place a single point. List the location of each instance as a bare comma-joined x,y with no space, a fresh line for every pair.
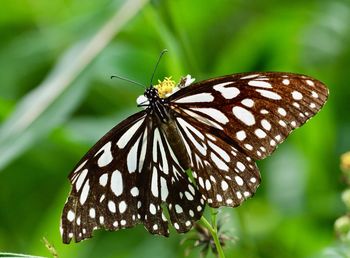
213,231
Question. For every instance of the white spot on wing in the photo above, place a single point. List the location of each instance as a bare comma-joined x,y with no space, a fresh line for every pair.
297,95
203,119
240,166
282,111
250,76
81,179
131,159
217,115
285,81
70,215
260,84
310,83
187,127
122,207
269,94
134,191
156,139
92,213
248,146
227,93
244,115
239,180
260,133
207,184
201,97
163,189
125,138
241,135
143,150
111,206
103,179
266,124
223,154
224,185
219,163
106,157
154,182
152,209
248,102
165,164
85,192
117,183
178,208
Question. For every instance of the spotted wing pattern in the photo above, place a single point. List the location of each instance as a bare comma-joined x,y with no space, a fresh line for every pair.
124,179
217,128
224,175
226,123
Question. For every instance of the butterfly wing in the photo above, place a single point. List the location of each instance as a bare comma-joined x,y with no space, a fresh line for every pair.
124,179
256,110
225,175
224,122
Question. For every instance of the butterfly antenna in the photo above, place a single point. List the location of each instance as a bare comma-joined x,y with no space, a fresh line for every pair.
155,68
128,80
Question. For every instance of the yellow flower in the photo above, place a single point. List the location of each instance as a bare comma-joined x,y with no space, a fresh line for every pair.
165,87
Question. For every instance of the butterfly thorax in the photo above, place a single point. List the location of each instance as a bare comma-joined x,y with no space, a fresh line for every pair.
157,104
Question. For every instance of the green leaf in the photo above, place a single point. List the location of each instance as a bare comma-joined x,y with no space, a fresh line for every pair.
18,255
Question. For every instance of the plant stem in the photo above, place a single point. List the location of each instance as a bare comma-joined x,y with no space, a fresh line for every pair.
214,231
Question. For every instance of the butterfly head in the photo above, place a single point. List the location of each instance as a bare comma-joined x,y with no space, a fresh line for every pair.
150,96
162,90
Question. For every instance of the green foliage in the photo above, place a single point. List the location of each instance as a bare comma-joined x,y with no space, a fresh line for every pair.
56,100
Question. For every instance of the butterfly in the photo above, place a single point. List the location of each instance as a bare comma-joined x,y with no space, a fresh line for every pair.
139,171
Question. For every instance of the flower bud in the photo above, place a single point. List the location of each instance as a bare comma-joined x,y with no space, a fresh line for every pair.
342,226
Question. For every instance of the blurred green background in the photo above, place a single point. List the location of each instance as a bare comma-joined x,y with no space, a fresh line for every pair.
56,100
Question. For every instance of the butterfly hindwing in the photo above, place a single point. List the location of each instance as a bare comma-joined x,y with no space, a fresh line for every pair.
224,175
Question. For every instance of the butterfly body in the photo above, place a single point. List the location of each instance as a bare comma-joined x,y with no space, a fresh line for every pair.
217,128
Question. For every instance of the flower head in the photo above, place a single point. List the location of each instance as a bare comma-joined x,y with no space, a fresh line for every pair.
166,87
202,238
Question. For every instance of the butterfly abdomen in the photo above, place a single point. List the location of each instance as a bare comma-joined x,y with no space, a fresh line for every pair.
176,143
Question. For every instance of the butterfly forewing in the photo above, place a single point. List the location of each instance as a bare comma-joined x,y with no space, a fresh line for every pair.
124,179
100,187
256,110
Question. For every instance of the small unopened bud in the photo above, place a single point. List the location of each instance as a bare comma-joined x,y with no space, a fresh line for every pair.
342,226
